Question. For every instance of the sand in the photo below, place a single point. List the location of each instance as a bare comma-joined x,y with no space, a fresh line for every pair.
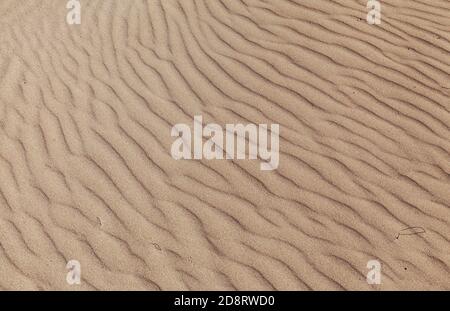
86,173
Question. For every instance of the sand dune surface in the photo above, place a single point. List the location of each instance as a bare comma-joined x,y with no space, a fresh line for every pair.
86,171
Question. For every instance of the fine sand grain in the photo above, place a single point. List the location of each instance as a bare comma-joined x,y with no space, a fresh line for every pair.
86,172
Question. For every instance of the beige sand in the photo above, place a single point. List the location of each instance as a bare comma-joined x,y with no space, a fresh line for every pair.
85,165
